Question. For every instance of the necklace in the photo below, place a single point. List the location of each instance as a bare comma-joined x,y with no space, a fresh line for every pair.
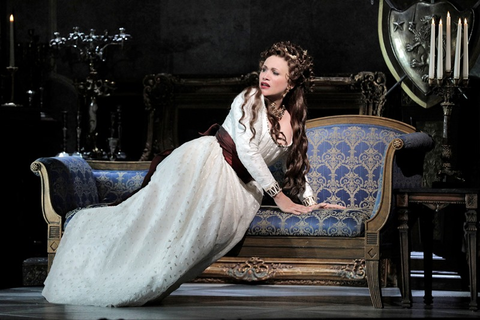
277,112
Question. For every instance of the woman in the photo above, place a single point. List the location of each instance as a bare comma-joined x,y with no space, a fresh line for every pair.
200,200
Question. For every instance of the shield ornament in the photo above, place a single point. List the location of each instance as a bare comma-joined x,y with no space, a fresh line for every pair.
405,43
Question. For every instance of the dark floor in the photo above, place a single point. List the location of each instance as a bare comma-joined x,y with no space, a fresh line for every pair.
253,301
237,301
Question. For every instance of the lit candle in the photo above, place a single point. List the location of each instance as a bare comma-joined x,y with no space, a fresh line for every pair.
440,51
431,64
12,43
465,50
456,66
448,45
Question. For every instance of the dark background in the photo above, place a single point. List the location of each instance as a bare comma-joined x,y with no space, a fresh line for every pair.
207,38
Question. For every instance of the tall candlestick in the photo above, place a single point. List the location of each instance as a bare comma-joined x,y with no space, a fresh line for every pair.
448,45
465,50
458,44
431,64
12,43
440,51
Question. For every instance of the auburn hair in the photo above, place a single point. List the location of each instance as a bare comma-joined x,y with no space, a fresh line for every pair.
300,76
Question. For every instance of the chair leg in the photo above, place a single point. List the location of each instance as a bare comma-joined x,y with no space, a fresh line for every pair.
373,280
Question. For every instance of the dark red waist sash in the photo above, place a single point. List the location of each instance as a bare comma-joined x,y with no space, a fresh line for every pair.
229,151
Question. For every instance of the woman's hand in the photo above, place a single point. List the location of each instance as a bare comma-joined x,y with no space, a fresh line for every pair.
287,205
324,205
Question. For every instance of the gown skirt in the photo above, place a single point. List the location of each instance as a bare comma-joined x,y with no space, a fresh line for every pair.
191,213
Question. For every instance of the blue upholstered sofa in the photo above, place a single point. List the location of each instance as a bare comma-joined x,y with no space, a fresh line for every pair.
355,160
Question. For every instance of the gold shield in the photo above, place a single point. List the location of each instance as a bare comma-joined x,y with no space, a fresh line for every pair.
405,43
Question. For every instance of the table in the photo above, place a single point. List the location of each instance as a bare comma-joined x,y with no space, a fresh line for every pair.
435,199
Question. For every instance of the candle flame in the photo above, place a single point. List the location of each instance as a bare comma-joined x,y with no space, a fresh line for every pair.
11,18
440,22
466,21
448,14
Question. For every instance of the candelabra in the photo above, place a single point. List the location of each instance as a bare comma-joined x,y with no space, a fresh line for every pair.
115,143
448,89
64,153
447,85
91,89
12,71
91,49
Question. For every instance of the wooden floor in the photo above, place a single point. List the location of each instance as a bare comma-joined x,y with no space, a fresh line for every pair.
256,301
239,301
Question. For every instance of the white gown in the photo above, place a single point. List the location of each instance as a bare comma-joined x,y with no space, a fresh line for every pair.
192,212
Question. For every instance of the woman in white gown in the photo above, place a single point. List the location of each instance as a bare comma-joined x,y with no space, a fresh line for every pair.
198,203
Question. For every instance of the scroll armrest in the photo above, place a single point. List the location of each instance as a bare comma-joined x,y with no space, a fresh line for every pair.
414,141
67,183
409,158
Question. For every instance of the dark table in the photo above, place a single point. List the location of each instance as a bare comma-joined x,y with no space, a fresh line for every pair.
436,199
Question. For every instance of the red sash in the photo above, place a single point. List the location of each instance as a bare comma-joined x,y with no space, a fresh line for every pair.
229,151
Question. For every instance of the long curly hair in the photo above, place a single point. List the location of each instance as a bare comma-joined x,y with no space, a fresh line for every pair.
300,75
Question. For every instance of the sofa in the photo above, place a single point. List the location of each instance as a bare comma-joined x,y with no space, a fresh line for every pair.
355,160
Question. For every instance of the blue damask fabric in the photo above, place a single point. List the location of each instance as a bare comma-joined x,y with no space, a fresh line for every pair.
72,183
346,168
113,185
336,223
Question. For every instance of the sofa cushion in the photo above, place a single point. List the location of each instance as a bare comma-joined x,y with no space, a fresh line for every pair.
114,185
270,220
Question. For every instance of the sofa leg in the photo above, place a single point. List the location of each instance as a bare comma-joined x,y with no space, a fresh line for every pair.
51,256
373,280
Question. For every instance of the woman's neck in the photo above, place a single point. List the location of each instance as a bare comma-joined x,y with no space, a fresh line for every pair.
277,102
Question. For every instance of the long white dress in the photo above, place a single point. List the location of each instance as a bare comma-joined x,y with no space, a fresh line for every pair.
192,212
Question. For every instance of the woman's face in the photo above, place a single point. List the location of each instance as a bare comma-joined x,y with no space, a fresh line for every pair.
273,78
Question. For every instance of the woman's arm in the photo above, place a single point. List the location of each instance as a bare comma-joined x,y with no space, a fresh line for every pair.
250,156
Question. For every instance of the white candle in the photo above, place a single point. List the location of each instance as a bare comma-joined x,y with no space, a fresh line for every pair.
465,50
440,51
12,43
431,64
448,46
456,66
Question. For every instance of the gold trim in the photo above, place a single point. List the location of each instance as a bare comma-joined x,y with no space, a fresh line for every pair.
360,119
273,190
309,201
